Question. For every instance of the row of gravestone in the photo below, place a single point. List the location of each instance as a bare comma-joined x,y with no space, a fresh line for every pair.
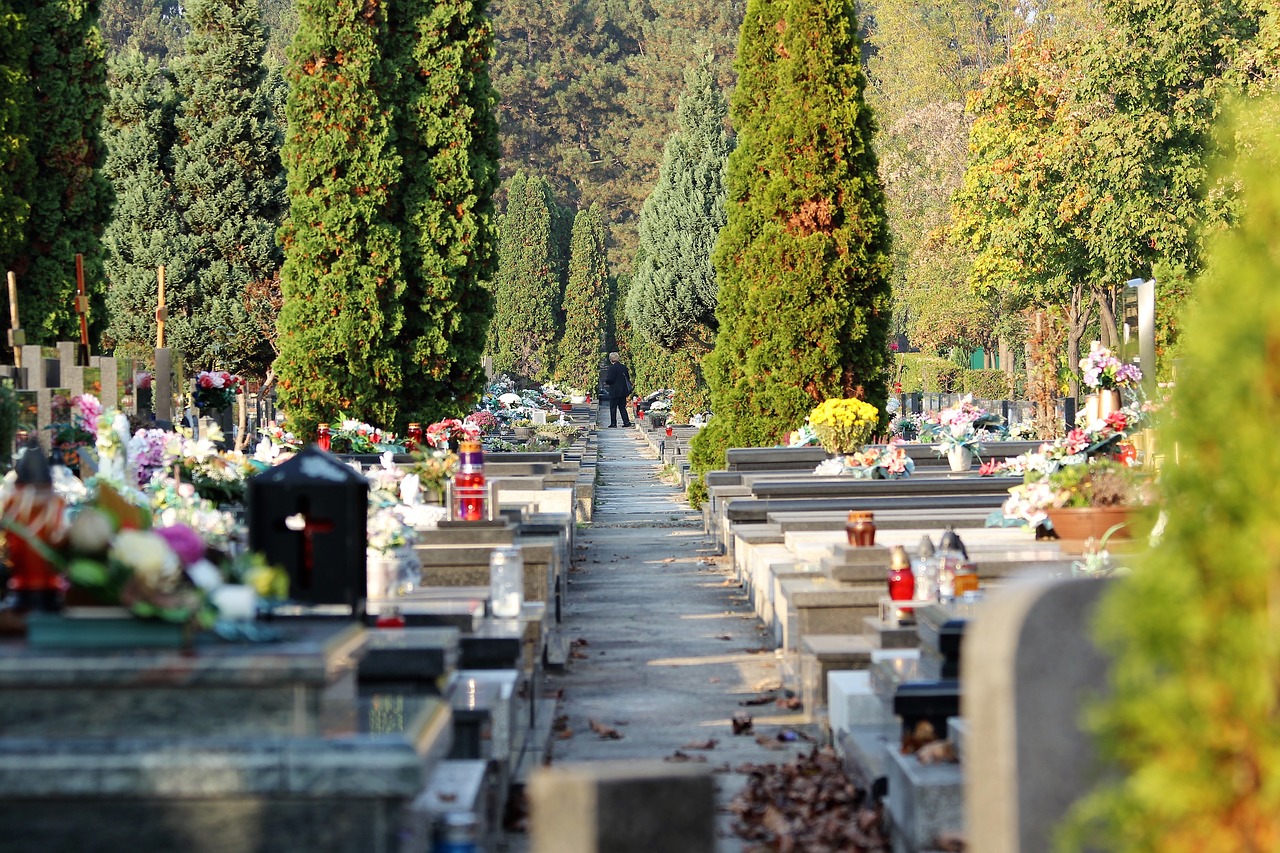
337,738
781,524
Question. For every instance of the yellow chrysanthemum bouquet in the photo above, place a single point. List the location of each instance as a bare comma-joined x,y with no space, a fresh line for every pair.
843,426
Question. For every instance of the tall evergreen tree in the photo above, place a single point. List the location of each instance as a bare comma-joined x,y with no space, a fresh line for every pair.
229,183
342,279
673,296
447,137
155,28
803,260
69,197
585,304
147,230
527,289
16,121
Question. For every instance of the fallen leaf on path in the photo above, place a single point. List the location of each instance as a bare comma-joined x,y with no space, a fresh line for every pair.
949,842
713,680
741,723
605,732
790,703
758,700
668,560
709,743
564,734
580,641
679,756
725,637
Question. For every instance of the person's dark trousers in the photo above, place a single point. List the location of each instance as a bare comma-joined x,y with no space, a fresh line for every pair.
618,404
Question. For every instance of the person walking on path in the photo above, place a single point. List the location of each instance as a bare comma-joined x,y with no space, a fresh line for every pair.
618,380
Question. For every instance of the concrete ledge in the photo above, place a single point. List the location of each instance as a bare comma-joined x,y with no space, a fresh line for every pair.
622,807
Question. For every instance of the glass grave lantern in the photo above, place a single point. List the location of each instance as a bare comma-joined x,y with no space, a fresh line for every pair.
309,515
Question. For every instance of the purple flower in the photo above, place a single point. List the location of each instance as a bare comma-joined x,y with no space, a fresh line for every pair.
184,541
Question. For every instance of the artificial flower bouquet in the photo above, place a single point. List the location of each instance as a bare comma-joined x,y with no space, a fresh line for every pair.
843,424
216,390
1102,371
111,552
446,434
352,436
76,426
964,425
872,463
483,419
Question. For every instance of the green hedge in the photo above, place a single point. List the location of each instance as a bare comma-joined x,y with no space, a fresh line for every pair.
988,384
917,372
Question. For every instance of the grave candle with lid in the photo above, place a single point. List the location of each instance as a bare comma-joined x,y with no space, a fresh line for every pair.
468,484
414,438
861,529
902,583
322,436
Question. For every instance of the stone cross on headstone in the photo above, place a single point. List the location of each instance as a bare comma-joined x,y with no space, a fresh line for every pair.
17,338
306,526
82,308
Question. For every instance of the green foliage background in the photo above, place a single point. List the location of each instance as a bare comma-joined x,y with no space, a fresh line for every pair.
69,200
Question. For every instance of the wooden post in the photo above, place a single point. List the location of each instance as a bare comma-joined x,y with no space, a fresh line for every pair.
17,338
82,308
162,313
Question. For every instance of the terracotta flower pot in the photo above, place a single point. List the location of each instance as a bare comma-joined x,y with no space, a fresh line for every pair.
1091,522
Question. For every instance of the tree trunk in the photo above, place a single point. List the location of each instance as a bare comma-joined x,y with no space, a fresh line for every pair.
1106,317
1078,316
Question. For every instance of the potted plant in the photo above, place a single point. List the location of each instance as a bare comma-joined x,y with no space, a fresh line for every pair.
1077,485
523,428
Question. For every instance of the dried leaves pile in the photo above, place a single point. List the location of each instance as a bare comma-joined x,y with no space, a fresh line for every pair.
807,805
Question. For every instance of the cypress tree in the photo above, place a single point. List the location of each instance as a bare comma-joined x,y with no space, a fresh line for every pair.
447,137
69,197
342,280
586,303
16,163
229,183
527,289
803,260
673,296
146,230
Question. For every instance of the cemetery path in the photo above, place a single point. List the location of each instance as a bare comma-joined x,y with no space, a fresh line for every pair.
666,649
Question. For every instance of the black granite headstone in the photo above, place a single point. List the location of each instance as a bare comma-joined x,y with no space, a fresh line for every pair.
310,515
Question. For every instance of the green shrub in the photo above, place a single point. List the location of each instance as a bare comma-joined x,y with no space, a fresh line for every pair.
939,376
988,384
1190,722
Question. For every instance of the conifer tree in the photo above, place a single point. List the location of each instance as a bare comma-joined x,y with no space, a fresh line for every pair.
527,289
16,163
579,355
803,259
447,138
229,185
146,230
342,280
673,296
69,197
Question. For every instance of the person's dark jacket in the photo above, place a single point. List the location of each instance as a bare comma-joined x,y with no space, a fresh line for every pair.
617,380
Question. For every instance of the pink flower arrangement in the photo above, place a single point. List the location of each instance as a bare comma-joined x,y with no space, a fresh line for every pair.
1103,371
217,389
441,433
484,419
